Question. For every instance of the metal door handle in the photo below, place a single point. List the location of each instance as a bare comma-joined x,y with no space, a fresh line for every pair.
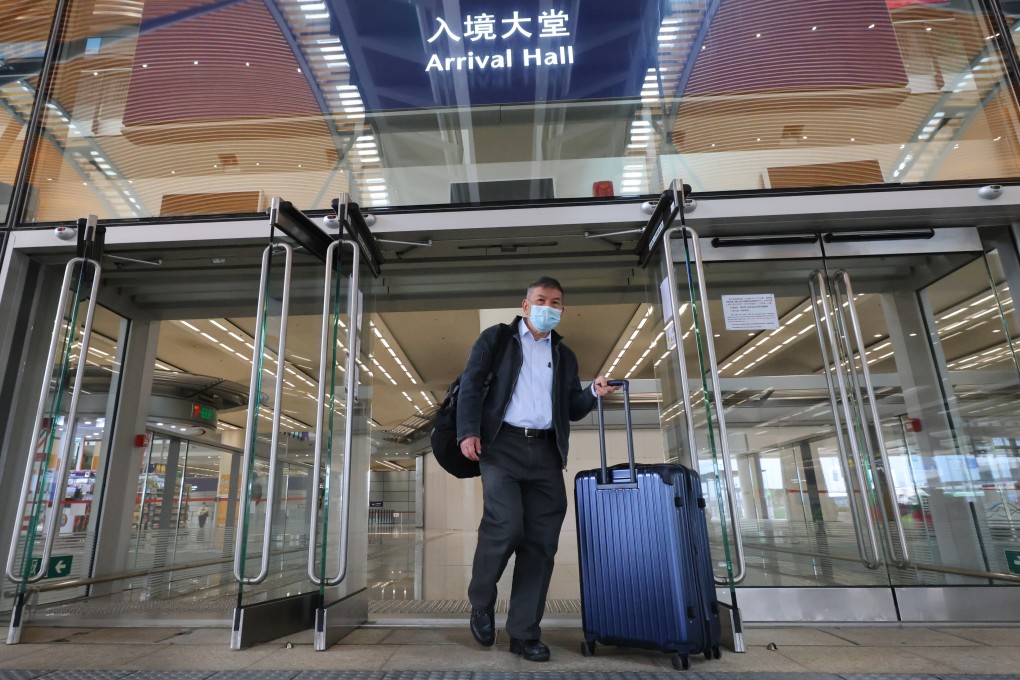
713,364
327,343
72,413
254,399
716,386
817,286
843,278
692,443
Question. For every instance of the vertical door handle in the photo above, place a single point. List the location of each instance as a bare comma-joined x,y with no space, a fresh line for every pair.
350,373
685,391
826,331
254,399
688,233
842,278
60,481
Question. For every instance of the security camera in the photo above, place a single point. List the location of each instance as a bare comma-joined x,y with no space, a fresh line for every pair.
648,207
331,222
66,233
690,205
990,191
369,220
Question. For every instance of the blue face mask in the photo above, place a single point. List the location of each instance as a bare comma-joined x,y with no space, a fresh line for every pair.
544,319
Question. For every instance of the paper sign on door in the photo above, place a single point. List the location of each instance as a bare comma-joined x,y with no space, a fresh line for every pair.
750,312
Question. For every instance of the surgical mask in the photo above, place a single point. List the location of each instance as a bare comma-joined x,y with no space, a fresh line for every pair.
544,319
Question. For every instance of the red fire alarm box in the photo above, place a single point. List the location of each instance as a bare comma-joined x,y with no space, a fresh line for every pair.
912,424
602,188
141,441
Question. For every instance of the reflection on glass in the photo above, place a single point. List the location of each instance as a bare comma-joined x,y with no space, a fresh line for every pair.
23,39
150,118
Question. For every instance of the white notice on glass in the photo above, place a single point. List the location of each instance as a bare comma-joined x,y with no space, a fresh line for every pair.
750,312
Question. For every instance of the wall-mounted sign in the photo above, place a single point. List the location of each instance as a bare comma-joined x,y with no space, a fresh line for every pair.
750,312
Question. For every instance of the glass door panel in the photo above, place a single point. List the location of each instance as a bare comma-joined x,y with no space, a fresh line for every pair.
343,444
259,567
939,342
58,527
869,387
801,522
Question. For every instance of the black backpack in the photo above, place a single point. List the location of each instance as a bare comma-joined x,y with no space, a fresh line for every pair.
444,427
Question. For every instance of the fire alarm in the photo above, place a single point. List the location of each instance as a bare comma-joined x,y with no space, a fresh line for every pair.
141,441
602,189
912,424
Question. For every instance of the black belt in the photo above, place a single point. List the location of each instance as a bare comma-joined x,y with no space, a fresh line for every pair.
529,432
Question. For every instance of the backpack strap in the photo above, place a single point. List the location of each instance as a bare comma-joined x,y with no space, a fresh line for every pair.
502,340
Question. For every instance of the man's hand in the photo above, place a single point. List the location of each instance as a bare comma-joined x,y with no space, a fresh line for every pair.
602,387
471,447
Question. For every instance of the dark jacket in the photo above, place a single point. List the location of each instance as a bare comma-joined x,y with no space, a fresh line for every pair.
477,419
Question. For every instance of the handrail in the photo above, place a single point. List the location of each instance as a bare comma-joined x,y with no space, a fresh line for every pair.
920,566
68,439
254,399
136,573
883,456
816,286
713,366
327,343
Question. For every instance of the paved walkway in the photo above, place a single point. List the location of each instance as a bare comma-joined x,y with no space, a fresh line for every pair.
449,653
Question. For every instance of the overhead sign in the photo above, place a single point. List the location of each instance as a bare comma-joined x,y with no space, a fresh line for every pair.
481,30
410,55
750,312
201,412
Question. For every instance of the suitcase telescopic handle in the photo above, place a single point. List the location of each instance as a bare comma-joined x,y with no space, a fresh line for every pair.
625,384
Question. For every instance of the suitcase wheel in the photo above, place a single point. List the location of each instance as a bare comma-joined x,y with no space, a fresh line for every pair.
588,648
708,653
716,652
681,662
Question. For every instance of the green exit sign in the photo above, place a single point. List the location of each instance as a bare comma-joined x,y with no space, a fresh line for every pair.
59,565
1013,560
203,412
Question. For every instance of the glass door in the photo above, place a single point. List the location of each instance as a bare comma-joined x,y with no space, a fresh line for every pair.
54,531
864,384
933,339
287,566
273,525
342,448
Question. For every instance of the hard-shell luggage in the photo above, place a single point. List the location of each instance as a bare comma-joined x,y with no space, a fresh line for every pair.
646,572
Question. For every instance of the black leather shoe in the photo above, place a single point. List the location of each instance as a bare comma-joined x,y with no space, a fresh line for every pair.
483,626
530,650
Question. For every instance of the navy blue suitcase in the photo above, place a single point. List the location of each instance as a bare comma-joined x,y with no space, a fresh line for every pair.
646,571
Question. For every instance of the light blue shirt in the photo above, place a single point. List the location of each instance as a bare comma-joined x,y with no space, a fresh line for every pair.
531,403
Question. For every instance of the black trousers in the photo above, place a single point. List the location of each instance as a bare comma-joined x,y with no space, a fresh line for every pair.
525,501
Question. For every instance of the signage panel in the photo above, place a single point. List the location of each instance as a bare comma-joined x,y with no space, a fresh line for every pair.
58,566
475,52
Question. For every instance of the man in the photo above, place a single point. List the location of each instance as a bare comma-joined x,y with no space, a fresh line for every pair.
518,432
